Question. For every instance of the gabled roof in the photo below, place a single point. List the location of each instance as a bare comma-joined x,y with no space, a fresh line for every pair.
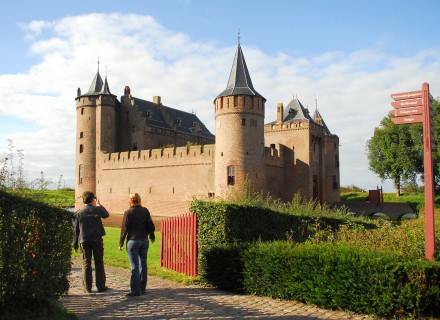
184,120
240,82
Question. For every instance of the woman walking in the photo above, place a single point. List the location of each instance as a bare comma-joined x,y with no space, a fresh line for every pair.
137,227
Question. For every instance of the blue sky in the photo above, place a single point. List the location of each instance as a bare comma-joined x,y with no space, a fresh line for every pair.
352,54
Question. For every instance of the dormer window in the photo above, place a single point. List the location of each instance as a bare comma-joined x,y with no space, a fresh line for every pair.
194,124
179,121
148,114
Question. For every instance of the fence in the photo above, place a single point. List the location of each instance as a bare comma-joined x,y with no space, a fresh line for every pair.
179,246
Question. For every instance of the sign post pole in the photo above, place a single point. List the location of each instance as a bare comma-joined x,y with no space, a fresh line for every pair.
415,107
429,181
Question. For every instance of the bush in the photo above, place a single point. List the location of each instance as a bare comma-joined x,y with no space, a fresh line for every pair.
223,267
343,277
221,224
35,248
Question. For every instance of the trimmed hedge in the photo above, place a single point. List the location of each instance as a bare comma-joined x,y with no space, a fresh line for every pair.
35,248
222,223
343,277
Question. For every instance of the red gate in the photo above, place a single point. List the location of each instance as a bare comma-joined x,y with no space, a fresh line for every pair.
179,246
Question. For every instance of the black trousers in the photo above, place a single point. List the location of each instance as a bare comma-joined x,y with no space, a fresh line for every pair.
95,248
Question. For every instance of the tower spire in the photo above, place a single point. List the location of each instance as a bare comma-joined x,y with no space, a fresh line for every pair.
239,82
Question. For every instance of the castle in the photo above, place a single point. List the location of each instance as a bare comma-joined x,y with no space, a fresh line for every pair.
169,156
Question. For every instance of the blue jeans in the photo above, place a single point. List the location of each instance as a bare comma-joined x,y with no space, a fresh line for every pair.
137,254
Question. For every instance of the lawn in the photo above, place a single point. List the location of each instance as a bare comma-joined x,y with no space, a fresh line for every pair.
116,258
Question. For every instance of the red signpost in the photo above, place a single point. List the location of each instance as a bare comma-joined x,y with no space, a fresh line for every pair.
408,119
407,111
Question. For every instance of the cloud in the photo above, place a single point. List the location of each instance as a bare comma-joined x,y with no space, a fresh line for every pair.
354,87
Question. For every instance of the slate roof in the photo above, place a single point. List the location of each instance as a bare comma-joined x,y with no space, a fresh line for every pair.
98,86
153,116
295,111
239,82
318,118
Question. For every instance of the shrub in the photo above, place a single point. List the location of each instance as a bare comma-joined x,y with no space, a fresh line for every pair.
35,247
343,277
221,224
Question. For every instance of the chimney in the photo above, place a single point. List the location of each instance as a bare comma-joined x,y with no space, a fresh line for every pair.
280,113
156,100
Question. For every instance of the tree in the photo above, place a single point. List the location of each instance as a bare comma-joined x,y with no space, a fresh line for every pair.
396,151
392,153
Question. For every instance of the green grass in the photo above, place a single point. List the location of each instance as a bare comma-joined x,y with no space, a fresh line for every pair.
116,258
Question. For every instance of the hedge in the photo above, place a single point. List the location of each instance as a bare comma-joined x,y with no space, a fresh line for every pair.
343,277
222,223
35,248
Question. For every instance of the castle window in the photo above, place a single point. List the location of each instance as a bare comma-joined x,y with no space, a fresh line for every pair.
243,121
134,147
81,148
253,122
80,173
231,175
82,111
336,161
235,101
335,183
81,135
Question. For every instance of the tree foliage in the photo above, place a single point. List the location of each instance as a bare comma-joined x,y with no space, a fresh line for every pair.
396,151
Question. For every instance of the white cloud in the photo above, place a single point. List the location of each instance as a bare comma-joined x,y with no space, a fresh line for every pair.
354,87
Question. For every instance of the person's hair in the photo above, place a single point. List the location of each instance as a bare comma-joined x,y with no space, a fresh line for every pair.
134,199
88,197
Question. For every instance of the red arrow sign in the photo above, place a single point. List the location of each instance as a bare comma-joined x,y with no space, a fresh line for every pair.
407,95
407,103
407,111
408,119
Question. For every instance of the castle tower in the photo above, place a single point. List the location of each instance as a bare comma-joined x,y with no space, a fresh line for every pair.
239,136
95,133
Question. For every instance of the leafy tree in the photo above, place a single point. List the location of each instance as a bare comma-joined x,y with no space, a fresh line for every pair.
392,153
396,151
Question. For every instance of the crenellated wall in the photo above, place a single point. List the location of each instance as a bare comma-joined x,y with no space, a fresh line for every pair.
167,179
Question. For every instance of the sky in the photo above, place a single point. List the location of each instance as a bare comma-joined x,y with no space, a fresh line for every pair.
344,57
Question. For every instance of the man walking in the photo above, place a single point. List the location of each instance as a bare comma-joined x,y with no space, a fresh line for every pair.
89,230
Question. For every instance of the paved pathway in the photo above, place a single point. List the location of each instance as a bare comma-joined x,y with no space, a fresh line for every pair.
168,300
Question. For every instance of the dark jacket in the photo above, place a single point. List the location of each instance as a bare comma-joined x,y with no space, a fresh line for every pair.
134,224
88,224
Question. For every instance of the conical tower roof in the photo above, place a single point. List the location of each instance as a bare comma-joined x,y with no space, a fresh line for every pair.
98,86
240,82
318,119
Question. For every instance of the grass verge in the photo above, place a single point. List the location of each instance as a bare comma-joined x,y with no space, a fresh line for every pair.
116,258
